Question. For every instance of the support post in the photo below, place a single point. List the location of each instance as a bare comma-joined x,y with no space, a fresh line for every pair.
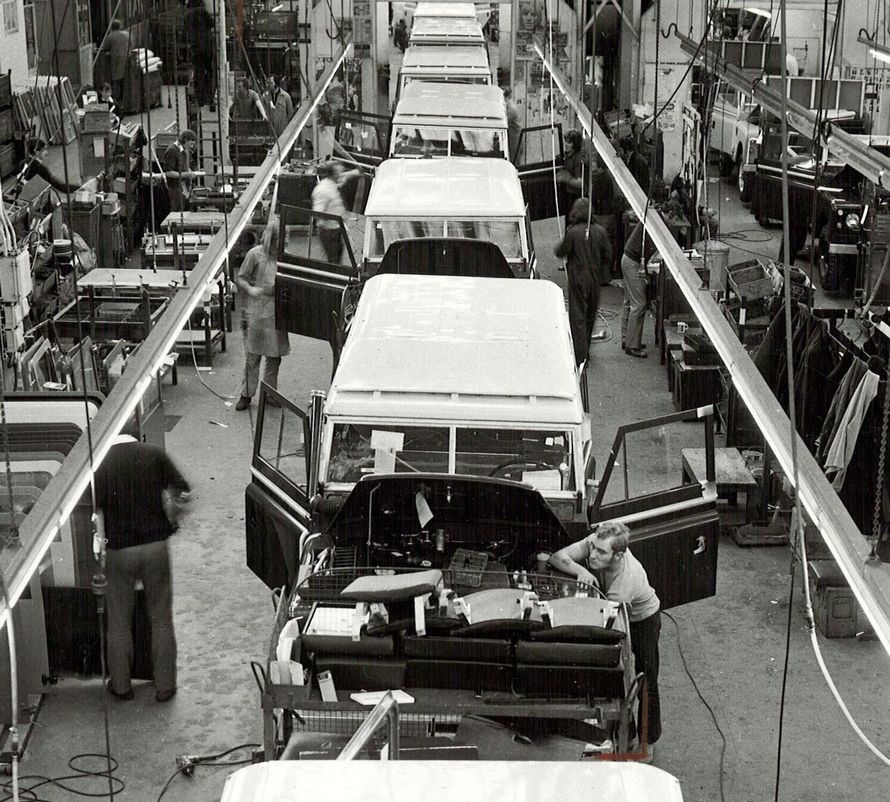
629,87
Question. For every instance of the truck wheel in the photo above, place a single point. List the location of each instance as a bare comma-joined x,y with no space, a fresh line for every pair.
726,165
829,274
745,188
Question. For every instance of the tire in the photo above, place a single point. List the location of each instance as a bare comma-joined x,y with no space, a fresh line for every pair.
726,165
746,191
829,274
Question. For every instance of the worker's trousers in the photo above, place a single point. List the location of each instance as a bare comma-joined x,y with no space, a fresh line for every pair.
644,644
149,563
633,310
250,379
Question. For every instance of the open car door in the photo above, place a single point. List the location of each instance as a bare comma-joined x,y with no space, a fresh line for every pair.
277,499
537,150
445,256
673,530
361,137
309,287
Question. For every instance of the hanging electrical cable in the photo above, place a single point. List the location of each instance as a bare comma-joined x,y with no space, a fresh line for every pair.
99,583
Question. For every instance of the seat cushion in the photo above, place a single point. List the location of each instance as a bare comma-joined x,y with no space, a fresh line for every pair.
577,610
435,625
568,654
499,628
392,588
345,645
363,674
555,682
472,649
464,675
578,634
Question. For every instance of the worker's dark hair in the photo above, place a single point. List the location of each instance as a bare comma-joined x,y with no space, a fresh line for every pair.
116,25
580,211
615,531
575,138
105,86
188,136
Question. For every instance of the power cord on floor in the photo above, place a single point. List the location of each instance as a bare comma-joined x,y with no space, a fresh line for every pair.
703,701
197,370
61,782
187,764
606,316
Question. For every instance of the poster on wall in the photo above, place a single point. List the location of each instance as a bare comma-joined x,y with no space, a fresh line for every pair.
361,27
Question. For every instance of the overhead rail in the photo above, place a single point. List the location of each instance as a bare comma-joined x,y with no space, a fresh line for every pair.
875,166
56,503
869,581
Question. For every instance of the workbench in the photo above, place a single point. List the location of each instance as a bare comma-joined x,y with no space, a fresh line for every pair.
213,319
731,471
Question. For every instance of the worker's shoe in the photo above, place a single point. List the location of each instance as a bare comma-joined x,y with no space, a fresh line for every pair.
243,403
123,697
639,353
165,696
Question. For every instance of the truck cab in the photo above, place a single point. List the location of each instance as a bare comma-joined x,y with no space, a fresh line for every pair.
445,64
437,119
734,120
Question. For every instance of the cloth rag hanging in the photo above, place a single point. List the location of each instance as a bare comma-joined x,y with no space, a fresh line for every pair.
841,450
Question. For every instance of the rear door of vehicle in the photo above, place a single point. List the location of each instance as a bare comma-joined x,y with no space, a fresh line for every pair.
277,498
361,137
309,287
674,529
538,153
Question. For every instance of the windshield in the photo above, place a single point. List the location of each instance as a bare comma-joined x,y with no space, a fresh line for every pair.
540,458
358,449
412,141
503,233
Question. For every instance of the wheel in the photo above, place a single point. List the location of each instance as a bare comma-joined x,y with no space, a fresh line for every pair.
726,165
829,274
746,191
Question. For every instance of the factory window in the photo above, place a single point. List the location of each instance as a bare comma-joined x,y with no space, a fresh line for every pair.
10,16
30,36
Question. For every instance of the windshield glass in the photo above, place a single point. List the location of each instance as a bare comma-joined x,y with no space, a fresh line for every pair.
476,142
410,141
358,449
503,233
542,459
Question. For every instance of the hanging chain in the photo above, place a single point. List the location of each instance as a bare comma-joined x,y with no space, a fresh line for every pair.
877,525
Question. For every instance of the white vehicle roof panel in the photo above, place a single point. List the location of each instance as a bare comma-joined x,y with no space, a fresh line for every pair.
464,780
453,187
459,342
446,29
445,10
451,105
450,59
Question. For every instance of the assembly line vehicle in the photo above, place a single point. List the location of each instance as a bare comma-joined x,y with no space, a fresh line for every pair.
452,449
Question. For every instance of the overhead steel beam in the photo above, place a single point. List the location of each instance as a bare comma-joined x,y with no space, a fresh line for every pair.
875,166
61,495
869,581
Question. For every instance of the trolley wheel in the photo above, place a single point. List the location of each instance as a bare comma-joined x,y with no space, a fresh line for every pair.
829,274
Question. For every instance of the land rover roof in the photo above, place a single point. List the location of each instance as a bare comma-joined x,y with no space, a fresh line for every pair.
457,348
449,59
446,29
468,781
451,105
455,188
445,10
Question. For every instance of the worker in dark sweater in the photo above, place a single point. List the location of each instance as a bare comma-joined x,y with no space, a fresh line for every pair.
138,490
588,253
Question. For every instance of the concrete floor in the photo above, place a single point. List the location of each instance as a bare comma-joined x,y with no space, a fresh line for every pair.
733,644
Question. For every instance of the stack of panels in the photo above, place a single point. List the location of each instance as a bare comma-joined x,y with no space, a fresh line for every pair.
473,664
569,670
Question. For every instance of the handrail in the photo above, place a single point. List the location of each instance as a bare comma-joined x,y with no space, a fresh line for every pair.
870,582
386,708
